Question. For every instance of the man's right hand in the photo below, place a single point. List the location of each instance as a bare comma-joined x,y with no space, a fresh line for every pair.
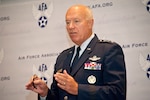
37,85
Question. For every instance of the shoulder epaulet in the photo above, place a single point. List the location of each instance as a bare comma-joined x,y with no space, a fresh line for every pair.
105,41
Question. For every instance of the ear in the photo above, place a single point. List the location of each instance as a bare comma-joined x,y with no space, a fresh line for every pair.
90,23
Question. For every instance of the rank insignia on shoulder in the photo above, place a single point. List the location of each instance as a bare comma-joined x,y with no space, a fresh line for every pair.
94,58
102,40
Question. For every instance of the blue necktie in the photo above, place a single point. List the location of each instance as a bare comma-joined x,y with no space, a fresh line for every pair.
76,58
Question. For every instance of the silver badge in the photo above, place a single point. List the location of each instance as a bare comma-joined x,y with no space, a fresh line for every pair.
65,97
91,79
94,58
88,48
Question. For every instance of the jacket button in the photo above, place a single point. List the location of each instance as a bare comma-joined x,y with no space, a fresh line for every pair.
65,97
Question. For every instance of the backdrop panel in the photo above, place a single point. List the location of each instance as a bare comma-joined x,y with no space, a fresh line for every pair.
32,34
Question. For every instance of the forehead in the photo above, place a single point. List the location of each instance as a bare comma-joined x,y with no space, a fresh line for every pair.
75,12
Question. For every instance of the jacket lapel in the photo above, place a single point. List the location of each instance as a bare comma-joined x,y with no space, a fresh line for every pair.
68,60
85,55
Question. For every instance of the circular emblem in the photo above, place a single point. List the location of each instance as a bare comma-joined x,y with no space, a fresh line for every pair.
91,79
65,97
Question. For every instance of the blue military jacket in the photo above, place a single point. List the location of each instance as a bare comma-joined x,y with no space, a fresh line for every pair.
100,73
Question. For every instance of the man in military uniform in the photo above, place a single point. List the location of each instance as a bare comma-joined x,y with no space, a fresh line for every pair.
97,72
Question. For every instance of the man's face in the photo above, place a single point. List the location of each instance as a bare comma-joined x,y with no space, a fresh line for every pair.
77,25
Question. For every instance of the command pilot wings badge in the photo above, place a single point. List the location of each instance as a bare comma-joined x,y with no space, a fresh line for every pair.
93,64
94,58
42,13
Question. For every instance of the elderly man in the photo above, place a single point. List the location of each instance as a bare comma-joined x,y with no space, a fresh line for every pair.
93,69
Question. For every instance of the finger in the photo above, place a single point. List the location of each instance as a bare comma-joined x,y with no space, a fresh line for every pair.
34,77
61,86
37,82
60,81
65,72
67,76
60,76
29,85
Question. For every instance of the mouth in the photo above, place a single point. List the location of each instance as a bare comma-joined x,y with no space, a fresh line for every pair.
72,33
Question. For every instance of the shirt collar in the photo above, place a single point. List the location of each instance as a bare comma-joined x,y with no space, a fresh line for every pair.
85,44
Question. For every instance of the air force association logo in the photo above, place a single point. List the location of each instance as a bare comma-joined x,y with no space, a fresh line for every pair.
147,4
145,64
42,13
42,71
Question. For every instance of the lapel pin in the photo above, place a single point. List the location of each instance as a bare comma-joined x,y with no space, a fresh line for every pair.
88,48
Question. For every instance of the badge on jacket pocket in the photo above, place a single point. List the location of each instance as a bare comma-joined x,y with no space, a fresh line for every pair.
91,79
